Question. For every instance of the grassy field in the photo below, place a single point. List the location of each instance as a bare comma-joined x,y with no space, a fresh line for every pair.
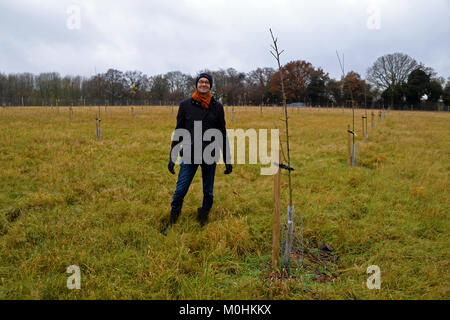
66,199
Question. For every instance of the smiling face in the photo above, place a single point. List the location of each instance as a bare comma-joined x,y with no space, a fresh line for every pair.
203,85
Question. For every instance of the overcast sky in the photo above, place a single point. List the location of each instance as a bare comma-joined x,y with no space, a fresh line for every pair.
157,36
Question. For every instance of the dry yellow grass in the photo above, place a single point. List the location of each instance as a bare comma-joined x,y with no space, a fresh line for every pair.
67,199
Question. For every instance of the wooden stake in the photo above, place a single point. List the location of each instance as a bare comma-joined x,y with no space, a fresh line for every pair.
276,217
349,149
373,120
363,122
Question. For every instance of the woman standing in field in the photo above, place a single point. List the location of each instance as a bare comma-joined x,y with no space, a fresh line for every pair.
201,111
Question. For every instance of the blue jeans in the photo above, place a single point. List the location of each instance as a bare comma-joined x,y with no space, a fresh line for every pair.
187,173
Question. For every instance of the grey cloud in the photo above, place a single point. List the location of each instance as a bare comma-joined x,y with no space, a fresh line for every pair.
161,36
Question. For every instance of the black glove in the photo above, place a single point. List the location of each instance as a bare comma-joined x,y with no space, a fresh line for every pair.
228,169
170,166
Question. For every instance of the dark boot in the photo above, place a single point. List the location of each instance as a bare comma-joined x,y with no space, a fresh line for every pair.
202,216
172,220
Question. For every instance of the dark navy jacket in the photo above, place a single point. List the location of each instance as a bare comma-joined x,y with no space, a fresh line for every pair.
211,118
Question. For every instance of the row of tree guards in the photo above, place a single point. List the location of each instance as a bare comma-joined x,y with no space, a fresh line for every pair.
231,109
351,134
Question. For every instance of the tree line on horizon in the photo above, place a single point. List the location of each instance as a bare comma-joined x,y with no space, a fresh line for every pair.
394,80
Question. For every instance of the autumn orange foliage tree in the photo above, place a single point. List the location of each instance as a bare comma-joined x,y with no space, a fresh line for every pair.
301,78
354,85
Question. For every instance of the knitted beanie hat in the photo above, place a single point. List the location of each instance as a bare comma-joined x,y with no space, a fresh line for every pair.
204,75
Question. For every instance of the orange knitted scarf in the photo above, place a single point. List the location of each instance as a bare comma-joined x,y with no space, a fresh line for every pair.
203,100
